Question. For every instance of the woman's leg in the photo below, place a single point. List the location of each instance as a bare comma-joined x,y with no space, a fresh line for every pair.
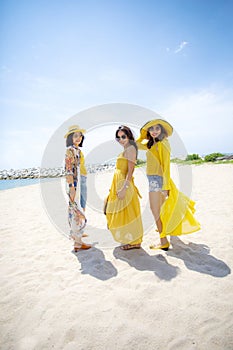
83,190
83,196
156,200
77,222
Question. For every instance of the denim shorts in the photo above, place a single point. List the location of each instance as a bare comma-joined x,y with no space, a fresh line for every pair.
83,191
155,183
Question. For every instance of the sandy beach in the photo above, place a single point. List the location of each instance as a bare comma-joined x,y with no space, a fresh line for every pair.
105,298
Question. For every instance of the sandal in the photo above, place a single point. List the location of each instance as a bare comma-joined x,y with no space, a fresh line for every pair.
163,247
130,246
82,246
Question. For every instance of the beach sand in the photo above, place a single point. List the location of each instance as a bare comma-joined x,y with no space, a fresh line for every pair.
105,298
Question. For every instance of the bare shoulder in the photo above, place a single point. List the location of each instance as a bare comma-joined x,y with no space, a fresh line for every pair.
130,153
130,150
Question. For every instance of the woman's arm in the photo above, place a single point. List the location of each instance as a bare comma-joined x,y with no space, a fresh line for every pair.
83,170
142,146
130,154
165,153
69,161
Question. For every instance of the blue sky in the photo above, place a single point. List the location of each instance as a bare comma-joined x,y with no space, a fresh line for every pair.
61,57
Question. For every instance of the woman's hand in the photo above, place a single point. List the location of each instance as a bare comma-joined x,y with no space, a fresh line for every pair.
72,193
121,193
165,193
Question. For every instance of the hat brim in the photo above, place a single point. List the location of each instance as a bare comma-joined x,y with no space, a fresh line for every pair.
74,130
164,123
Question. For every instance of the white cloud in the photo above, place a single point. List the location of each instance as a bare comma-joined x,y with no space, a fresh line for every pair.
181,46
203,120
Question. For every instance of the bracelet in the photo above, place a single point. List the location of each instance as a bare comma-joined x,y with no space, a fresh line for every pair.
71,185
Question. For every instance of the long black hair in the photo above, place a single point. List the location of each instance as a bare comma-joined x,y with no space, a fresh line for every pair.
69,140
162,135
130,136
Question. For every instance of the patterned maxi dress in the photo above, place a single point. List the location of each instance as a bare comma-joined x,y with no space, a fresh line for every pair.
76,217
124,215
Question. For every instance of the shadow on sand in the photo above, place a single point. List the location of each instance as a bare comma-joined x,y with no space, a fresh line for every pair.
196,257
93,263
140,260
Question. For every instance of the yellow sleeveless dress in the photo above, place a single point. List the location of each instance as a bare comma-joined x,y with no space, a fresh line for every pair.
124,215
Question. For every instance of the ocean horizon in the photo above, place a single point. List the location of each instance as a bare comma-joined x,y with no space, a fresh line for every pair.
14,183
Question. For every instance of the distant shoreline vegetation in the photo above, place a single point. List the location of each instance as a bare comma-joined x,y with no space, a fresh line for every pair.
216,158
40,173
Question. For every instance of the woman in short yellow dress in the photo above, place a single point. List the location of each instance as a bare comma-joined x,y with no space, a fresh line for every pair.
123,212
173,210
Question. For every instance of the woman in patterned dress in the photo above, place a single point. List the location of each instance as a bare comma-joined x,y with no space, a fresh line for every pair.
76,217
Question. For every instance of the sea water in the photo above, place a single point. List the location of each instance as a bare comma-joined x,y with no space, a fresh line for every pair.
8,184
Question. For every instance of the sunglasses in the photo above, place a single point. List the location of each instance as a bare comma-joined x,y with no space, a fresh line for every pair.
123,137
77,135
154,128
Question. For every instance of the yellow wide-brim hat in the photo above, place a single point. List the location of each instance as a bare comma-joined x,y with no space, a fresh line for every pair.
74,128
164,123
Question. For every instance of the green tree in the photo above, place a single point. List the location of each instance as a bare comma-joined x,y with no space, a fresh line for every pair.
140,162
212,157
192,157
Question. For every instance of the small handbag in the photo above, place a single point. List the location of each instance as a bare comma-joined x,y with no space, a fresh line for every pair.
105,205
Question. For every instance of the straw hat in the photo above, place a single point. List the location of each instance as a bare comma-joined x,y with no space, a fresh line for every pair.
164,123
74,128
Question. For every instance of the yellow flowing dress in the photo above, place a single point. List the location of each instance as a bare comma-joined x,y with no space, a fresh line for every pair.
124,215
177,212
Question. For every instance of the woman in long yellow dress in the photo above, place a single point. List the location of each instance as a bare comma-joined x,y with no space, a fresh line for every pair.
173,210
123,212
